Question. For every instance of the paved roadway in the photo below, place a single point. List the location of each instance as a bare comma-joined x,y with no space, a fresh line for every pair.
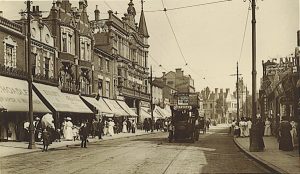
214,153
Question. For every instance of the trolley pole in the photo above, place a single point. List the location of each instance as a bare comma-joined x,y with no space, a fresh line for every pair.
31,144
151,99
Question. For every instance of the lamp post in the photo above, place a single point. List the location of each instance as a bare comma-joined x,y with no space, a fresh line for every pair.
31,144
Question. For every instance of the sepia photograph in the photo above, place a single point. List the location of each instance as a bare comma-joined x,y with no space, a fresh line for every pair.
149,86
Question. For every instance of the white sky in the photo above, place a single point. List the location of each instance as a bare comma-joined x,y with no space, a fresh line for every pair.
210,36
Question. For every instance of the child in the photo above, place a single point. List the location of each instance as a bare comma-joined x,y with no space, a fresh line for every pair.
46,139
75,133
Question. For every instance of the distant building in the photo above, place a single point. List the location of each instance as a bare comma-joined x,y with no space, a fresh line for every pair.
177,80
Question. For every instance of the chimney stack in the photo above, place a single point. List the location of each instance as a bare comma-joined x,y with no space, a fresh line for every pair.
97,14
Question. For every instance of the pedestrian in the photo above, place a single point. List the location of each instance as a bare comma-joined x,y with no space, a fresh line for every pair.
111,125
285,137
68,129
94,127
236,129
248,128
100,128
145,125
294,132
83,133
207,124
124,129
128,126
171,131
46,139
242,127
260,133
267,131
75,133
133,126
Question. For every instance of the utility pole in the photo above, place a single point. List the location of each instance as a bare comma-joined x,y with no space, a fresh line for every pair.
247,103
254,134
237,92
31,144
151,99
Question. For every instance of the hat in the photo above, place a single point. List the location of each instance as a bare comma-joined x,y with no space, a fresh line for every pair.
37,118
258,116
68,118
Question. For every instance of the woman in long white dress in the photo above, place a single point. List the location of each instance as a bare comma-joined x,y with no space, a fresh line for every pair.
68,130
124,129
267,131
111,125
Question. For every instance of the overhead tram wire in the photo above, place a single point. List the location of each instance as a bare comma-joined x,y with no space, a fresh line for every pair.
174,34
158,64
245,29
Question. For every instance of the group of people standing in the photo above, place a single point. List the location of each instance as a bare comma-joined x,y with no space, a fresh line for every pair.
241,128
286,132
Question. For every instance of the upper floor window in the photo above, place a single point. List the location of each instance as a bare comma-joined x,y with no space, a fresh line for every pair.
10,49
33,63
47,67
107,87
107,65
64,43
84,85
67,40
100,87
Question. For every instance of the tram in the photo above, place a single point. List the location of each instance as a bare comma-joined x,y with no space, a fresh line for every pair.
184,120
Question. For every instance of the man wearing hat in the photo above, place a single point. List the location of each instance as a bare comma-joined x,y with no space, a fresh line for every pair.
38,129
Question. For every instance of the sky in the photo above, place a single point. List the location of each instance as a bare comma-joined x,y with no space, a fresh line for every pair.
210,36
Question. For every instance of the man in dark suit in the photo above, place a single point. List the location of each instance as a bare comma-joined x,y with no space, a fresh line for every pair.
84,133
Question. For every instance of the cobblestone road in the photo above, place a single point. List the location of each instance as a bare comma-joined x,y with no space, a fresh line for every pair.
214,153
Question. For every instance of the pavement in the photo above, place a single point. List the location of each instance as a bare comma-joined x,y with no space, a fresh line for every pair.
272,158
13,148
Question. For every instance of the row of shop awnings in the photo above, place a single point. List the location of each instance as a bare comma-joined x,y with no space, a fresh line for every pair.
158,112
14,98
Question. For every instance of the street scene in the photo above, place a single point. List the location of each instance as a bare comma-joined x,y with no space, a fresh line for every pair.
160,86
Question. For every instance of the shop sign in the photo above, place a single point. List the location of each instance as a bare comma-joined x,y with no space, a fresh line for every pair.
183,100
282,65
182,107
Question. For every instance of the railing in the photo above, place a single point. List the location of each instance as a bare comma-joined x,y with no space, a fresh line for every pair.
10,24
133,93
69,87
45,80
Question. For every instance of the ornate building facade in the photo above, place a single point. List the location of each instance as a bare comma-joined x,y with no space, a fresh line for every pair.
127,42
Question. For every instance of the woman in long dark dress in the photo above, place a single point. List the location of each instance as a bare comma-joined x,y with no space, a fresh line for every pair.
285,137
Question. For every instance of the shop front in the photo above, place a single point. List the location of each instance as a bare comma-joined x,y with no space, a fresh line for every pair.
63,105
14,102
